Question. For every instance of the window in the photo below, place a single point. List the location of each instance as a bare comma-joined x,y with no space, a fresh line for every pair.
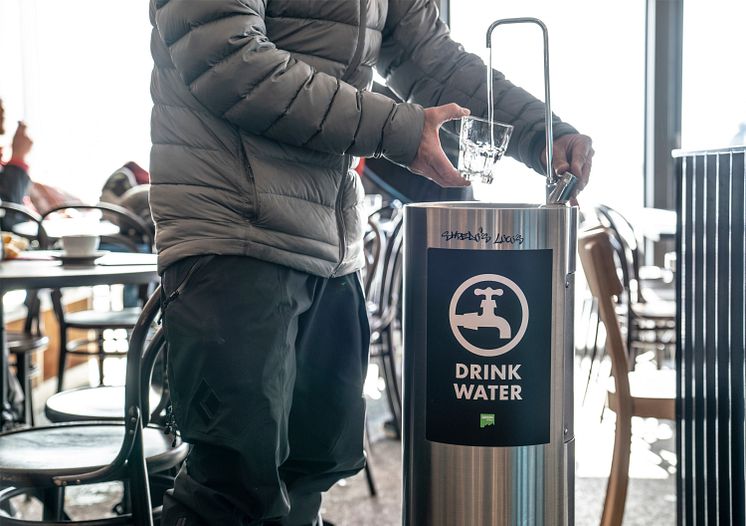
597,68
714,79
79,74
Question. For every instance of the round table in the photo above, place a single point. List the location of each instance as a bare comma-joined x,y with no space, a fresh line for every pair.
39,273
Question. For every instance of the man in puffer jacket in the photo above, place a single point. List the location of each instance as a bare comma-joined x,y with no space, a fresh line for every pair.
259,108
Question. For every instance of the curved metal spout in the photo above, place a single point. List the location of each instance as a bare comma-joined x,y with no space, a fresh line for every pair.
551,177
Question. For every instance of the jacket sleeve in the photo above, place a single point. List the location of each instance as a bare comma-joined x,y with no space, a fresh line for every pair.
221,50
14,183
421,63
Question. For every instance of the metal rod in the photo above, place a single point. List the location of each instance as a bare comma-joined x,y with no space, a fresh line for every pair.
551,177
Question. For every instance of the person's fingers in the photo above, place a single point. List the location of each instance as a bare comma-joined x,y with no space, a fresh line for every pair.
586,173
448,176
450,112
446,172
580,161
560,168
559,159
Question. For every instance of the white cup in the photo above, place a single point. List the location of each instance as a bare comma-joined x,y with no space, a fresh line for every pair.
80,246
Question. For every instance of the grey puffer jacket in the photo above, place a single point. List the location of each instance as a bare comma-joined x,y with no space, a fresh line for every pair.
259,106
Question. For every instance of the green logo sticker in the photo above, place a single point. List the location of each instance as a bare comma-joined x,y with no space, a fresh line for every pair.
486,419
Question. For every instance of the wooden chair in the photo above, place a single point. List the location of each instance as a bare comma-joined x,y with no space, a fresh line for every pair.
23,344
632,394
134,236
43,461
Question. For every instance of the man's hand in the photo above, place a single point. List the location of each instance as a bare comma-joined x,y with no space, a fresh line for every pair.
431,161
572,152
22,144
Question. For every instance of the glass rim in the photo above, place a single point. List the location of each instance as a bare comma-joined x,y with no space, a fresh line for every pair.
481,119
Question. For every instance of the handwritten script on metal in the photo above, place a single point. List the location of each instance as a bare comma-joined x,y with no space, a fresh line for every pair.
481,236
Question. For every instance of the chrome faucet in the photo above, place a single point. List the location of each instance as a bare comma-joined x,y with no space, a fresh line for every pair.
558,187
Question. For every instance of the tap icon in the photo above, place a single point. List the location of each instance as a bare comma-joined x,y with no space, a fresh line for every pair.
488,317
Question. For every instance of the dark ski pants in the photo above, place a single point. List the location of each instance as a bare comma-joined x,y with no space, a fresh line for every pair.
266,367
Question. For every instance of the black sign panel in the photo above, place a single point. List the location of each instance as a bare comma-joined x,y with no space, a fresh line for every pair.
488,346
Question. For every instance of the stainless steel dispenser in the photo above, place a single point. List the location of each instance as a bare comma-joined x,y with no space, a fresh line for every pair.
488,358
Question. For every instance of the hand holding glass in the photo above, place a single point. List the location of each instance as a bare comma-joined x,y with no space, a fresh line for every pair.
481,145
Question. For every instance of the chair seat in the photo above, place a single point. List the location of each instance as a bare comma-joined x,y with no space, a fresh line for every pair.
102,403
652,274
20,342
33,457
659,310
91,319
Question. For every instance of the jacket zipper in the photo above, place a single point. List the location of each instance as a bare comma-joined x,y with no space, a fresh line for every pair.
250,175
358,55
340,219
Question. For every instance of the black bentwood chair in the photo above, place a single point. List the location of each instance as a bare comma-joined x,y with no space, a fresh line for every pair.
23,344
384,313
134,236
650,323
43,461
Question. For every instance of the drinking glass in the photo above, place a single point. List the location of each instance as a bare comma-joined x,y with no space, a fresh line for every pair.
481,144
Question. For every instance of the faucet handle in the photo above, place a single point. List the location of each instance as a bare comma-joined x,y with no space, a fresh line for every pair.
561,191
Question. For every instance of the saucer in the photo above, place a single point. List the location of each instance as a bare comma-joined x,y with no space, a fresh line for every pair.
80,260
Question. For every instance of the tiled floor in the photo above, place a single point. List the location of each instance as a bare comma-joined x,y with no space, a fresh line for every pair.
651,498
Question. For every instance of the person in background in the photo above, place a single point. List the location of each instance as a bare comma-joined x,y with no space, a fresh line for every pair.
123,179
259,108
14,177
16,186
129,187
44,197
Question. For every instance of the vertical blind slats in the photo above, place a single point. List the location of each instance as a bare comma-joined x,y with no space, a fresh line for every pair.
711,296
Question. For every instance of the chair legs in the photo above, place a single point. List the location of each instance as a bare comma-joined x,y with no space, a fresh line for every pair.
62,360
100,356
23,373
593,314
53,500
392,358
371,482
616,491
388,364
372,489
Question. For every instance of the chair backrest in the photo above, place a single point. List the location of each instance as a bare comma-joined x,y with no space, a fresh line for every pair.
20,213
373,246
391,276
135,234
146,341
32,303
597,257
627,247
